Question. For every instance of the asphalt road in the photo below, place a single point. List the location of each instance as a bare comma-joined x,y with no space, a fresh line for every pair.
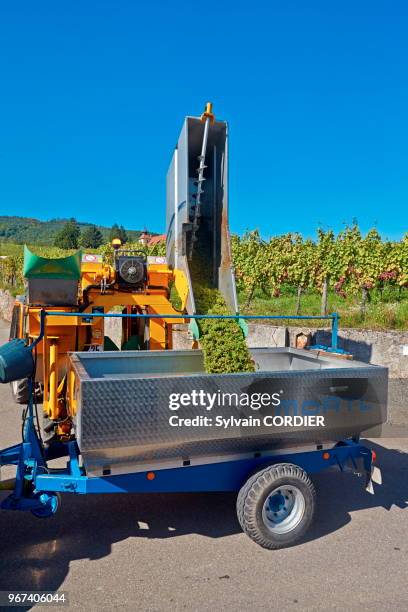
186,552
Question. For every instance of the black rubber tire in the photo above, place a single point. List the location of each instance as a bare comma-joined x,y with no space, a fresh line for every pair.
20,391
253,494
48,431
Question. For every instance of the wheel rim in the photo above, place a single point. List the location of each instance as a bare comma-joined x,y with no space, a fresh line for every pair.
283,509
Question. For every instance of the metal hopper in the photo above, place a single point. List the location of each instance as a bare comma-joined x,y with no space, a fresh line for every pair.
121,408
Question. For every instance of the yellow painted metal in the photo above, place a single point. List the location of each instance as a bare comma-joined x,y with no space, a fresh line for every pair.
53,378
159,275
93,273
181,285
61,322
64,334
72,400
59,326
158,302
45,363
157,332
21,319
124,298
163,268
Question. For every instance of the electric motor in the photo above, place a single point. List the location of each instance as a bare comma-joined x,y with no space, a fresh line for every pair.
131,269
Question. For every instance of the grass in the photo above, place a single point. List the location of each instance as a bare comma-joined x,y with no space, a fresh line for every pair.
9,248
390,314
388,310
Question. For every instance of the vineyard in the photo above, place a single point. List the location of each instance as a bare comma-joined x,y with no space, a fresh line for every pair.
362,277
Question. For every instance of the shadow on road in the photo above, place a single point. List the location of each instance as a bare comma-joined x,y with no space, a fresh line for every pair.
35,553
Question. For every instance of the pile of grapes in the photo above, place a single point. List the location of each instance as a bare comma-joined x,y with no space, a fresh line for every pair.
221,340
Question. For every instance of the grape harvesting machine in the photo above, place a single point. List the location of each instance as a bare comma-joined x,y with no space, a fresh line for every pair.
145,417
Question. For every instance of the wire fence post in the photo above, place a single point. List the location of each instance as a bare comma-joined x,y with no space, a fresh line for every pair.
335,330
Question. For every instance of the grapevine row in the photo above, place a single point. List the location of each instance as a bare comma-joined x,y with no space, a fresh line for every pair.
349,263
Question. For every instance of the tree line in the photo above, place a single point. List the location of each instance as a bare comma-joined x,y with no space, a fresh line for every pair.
71,237
26,230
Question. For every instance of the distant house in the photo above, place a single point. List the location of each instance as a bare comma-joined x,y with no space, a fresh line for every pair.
148,240
157,240
144,238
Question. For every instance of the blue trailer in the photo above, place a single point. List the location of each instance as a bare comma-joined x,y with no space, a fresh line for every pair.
276,498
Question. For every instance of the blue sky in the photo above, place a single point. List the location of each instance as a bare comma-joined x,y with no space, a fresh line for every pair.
93,95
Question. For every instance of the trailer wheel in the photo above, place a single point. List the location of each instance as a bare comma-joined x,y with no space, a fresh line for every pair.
275,507
20,391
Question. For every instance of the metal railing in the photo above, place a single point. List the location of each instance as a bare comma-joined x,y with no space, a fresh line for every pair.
333,317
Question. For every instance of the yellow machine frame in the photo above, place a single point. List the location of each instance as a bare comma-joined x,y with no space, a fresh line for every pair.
98,291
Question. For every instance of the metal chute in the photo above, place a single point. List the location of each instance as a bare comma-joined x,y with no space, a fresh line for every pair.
197,207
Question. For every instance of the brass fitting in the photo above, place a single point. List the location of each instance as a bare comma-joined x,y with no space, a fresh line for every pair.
208,114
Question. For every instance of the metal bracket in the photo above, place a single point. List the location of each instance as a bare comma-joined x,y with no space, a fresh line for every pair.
194,330
244,326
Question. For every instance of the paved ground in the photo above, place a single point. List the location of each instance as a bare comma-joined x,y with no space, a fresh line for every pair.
186,552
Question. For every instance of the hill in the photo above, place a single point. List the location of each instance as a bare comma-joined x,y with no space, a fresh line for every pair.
21,230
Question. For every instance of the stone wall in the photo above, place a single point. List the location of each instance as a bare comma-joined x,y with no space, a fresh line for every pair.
6,305
378,347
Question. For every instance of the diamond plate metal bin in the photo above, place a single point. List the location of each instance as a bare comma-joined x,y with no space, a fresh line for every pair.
122,412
